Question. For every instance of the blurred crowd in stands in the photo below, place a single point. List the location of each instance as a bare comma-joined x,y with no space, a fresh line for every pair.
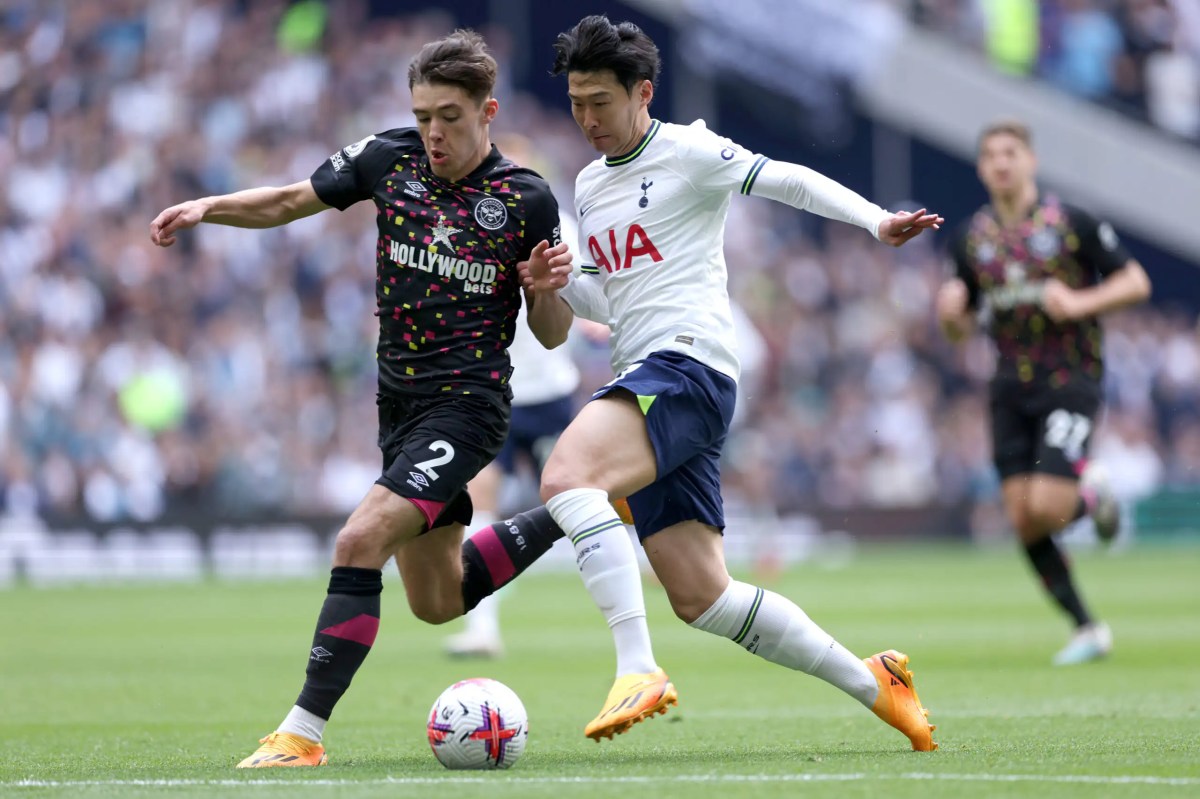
1139,56
235,370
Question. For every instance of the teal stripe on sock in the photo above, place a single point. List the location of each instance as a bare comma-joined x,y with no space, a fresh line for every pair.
758,597
600,528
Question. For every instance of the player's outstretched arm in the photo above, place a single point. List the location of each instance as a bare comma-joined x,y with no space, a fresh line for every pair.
264,207
952,310
808,190
1126,286
547,270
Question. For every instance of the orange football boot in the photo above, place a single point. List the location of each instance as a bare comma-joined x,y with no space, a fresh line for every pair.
898,703
285,749
633,698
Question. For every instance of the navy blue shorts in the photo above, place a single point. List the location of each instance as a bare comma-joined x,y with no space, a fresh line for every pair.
688,408
533,432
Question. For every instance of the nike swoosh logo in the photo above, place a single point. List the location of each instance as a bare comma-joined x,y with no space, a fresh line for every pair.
583,211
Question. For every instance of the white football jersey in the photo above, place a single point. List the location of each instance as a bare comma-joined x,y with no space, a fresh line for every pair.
652,230
542,375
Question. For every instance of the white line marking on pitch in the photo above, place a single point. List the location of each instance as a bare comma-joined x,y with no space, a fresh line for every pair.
1091,779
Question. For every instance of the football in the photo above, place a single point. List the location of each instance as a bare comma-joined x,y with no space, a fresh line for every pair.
478,724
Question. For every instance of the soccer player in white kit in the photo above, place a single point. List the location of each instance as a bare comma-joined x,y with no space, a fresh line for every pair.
651,216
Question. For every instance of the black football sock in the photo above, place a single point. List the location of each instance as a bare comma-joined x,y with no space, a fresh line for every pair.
346,630
1051,566
494,556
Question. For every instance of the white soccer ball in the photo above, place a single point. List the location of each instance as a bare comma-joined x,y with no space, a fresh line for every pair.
478,724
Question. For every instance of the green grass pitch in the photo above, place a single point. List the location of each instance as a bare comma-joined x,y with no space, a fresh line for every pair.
158,690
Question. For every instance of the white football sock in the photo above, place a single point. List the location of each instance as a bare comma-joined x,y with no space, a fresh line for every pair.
608,564
774,628
303,723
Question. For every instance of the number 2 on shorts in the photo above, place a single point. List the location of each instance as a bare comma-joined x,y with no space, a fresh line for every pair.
446,456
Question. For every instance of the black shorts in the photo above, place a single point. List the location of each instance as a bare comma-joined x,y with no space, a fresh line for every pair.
1043,430
433,446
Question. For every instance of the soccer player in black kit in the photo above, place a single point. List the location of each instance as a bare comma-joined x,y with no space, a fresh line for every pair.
1042,272
454,219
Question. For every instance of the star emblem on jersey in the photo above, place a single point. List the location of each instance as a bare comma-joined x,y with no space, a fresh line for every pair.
443,232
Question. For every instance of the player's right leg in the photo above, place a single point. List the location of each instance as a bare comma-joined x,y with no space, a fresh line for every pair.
346,626
688,559
605,452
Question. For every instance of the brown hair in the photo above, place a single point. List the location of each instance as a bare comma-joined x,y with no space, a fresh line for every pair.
459,59
1007,127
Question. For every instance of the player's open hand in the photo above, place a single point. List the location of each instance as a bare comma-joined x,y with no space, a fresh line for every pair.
1060,301
548,268
904,226
176,218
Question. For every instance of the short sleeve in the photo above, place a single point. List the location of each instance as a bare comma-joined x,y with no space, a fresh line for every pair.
542,221
1100,248
714,163
350,174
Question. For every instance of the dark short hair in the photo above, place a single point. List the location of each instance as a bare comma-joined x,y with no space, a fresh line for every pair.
1006,127
596,44
458,59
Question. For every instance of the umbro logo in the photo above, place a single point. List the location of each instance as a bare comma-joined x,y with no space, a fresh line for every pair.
321,654
419,478
415,188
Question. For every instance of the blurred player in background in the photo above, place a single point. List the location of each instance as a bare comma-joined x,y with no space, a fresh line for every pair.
454,218
652,215
1043,272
